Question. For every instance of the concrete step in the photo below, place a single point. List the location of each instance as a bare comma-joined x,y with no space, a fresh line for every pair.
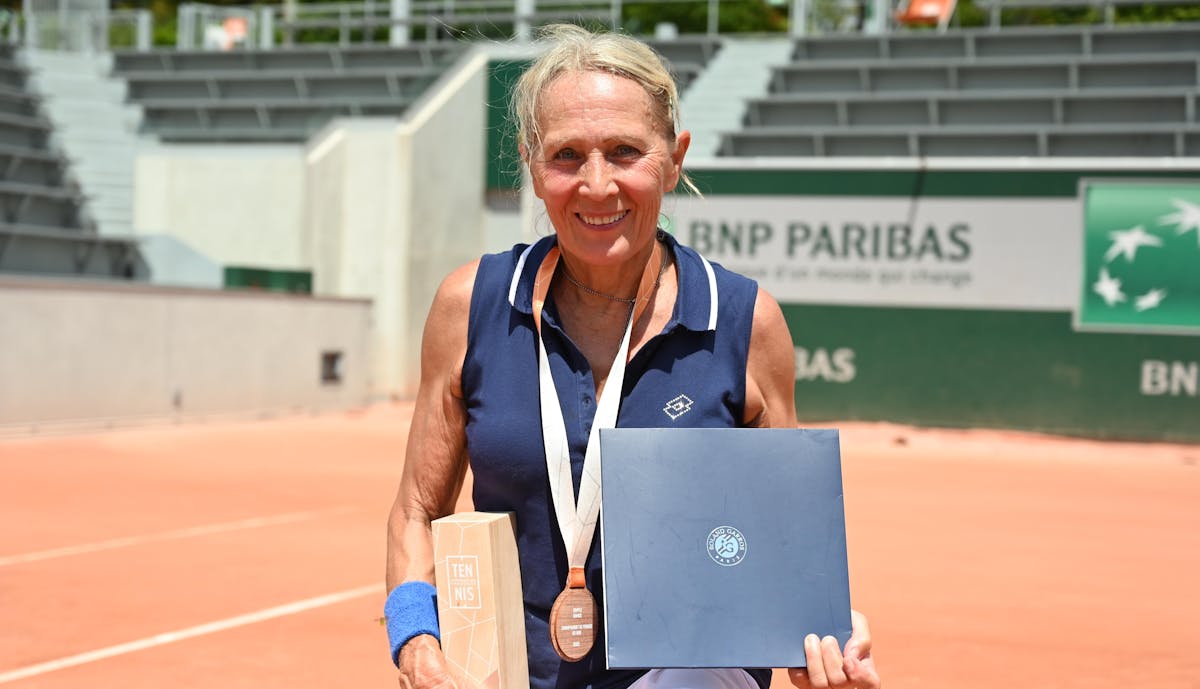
95,129
60,86
715,102
110,121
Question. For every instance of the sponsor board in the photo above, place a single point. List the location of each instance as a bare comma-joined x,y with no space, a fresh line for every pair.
1141,257
1007,253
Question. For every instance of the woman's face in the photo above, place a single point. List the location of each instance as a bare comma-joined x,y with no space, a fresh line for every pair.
603,165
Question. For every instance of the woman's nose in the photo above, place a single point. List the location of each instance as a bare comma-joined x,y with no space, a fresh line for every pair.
597,177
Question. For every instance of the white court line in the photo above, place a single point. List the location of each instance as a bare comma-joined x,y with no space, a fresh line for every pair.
180,635
205,530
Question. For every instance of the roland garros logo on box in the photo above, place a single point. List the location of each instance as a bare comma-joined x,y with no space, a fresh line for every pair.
726,546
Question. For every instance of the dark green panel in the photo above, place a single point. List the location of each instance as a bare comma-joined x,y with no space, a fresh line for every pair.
237,277
293,281
503,168
993,369
910,183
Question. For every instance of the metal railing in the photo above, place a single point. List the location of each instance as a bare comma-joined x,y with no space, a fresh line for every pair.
396,22
400,22
1104,9
79,31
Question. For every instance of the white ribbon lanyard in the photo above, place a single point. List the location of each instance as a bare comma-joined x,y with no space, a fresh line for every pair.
577,522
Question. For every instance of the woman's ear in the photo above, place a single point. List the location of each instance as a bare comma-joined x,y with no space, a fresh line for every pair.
682,141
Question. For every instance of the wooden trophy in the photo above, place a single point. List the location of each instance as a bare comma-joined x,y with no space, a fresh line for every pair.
480,608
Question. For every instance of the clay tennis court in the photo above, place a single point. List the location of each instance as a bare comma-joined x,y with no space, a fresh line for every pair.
250,554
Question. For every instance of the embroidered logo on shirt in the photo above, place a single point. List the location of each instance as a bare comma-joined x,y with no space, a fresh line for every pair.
678,406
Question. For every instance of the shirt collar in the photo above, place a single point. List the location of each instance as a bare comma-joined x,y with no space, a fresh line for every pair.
695,305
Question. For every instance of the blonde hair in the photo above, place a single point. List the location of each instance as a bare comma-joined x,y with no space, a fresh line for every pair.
576,49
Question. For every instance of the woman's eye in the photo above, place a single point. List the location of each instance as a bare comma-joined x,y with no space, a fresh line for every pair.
565,154
623,151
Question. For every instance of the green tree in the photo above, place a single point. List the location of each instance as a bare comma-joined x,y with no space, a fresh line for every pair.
736,16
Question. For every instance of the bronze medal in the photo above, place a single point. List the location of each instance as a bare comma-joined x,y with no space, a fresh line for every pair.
573,619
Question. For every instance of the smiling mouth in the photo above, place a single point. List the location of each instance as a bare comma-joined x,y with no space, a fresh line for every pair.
601,220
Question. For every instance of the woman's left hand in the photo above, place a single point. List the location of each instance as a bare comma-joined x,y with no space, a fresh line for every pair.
830,668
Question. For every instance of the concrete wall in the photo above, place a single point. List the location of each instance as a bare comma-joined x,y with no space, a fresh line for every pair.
445,144
390,209
239,204
84,351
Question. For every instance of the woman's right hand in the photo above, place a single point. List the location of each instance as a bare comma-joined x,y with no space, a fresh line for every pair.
422,666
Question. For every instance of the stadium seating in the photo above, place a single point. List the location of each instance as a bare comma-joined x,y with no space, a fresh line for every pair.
274,95
1061,91
42,227
286,94
687,55
33,189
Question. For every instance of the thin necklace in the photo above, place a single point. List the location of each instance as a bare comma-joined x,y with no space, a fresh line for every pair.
662,268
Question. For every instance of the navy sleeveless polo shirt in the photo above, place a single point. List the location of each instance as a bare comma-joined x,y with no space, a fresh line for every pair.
691,375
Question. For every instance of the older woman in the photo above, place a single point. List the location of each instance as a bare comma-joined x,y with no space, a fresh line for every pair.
607,312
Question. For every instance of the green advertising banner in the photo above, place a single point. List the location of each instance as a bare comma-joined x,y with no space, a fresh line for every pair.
999,369
1141,257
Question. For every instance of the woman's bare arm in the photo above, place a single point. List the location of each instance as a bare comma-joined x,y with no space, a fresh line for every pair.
435,464
770,368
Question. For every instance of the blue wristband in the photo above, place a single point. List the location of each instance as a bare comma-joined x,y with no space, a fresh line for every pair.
410,610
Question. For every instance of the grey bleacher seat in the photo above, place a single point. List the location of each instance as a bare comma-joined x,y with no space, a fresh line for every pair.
838,48
976,111
1139,71
758,143
39,205
329,58
854,144
904,78
1139,140
24,165
1177,38
978,142
1128,108
253,85
1013,77
897,112
1139,143
912,46
970,109
1051,73
11,75
818,79
21,130
1191,143
36,250
792,110
278,120
1025,43
15,101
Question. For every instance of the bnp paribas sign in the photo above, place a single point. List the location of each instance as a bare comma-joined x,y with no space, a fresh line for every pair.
1141,257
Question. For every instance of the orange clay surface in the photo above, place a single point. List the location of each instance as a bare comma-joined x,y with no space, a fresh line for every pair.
983,559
